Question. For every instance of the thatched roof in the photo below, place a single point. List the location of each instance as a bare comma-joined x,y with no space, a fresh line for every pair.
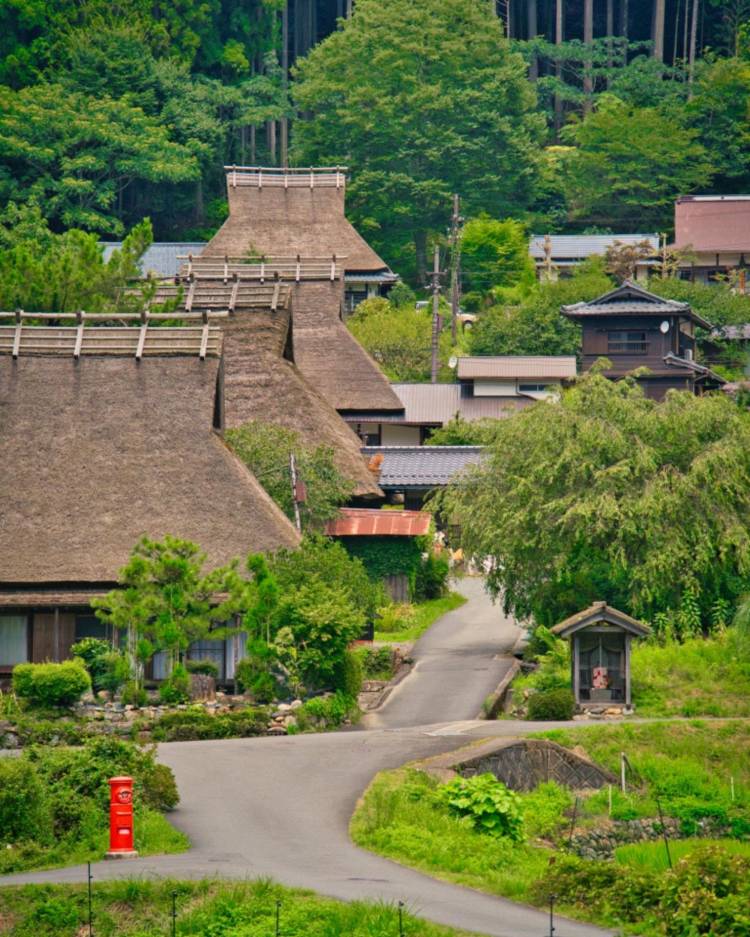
260,384
100,451
301,219
330,357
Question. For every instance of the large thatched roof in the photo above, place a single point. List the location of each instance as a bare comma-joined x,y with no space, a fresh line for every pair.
260,384
100,451
301,218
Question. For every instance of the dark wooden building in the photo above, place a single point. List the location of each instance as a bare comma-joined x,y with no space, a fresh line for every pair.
637,329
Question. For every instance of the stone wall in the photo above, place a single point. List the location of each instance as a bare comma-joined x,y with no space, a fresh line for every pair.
522,764
602,842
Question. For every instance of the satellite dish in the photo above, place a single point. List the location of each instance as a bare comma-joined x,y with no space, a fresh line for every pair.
452,362
664,327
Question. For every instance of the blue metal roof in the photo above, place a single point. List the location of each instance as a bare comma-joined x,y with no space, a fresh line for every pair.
161,258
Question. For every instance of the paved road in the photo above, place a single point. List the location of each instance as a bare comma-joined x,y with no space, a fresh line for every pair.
280,807
459,662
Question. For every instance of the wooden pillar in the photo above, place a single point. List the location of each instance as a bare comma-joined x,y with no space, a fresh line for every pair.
576,664
56,634
627,669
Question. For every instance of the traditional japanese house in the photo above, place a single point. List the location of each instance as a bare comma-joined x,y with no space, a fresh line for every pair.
410,473
600,638
713,232
109,433
633,329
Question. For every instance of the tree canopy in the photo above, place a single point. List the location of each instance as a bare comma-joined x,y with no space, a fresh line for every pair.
611,496
420,101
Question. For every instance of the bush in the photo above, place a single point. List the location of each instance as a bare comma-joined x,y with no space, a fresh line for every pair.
323,712
208,668
431,578
158,787
108,669
348,675
52,685
552,705
134,695
193,724
377,663
176,688
24,810
487,802
393,618
253,673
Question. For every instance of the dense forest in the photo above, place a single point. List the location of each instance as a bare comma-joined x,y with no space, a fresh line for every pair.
563,114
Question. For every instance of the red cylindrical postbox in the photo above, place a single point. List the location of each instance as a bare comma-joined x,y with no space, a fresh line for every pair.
121,844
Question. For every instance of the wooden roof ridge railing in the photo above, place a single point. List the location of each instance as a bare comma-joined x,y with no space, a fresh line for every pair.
295,268
216,293
297,177
23,336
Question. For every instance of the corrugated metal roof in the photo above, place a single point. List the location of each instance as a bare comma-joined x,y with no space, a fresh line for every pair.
422,466
371,522
161,257
436,404
580,246
518,366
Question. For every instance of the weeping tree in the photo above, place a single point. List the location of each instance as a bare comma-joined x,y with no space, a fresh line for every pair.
608,495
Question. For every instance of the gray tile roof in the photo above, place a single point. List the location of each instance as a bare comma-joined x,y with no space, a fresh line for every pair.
422,466
580,246
161,257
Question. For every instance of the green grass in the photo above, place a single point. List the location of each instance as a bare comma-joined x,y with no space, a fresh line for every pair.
424,614
652,857
699,677
398,819
135,908
154,835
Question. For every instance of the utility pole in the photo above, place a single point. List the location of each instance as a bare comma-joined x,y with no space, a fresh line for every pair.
295,501
435,314
455,266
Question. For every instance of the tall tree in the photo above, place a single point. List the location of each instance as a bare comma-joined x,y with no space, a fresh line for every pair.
420,100
588,38
660,11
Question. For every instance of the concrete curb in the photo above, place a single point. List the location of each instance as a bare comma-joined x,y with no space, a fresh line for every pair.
491,709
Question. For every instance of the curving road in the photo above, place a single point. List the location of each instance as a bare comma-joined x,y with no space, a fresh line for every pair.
280,807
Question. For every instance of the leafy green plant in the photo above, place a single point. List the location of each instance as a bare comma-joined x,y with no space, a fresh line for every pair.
554,705
54,685
487,803
189,725
253,675
431,577
349,675
326,712
395,617
544,809
176,688
206,667
377,663
24,807
134,695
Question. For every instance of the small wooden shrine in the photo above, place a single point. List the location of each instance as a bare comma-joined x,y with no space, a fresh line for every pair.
600,638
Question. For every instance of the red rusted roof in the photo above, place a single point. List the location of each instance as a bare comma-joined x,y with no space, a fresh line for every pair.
372,522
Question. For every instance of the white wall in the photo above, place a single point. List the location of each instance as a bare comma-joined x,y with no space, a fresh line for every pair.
393,435
484,388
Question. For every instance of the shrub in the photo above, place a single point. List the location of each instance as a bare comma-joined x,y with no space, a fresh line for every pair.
134,695
544,809
192,724
253,673
348,675
555,705
24,810
393,618
93,652
323,712
208,668
377,663
487,802
176,688
431,577
158,787
53,685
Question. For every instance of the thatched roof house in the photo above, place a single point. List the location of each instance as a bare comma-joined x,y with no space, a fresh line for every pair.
286,215
99,448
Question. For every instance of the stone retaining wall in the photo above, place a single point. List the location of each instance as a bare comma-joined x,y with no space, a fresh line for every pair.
602,842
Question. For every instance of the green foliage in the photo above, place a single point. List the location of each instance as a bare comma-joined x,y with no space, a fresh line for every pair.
327,712
556,705
330,561
208,668
252,673
418,100
266,449
377,662
400,339
652,857
609,495
615,175
176,688
349,675
167,599
460,432
51,685
208,908
487,802
431,579
535,326
108,669
544,810
24,809
192,724
405,623
494,259
387,556
134,695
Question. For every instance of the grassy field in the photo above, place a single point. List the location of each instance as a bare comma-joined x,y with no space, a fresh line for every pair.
204,909
699,677
652,857
420,617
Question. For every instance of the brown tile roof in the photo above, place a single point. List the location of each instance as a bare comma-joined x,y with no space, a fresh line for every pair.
100,451
370,522
557,367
